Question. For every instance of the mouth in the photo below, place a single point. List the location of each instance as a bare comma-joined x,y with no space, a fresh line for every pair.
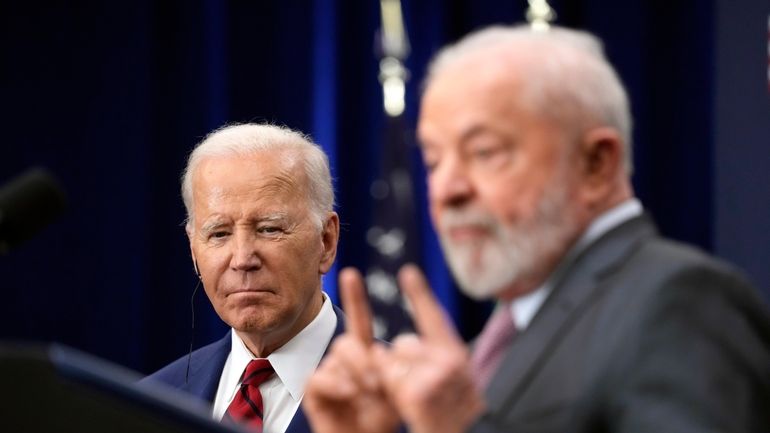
466,233
248,291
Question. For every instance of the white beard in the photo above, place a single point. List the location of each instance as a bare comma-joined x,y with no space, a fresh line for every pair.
508,254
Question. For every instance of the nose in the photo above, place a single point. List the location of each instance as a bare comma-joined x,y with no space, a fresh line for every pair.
245,256
449,184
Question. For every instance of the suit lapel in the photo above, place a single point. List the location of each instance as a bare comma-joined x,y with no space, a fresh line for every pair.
565,304
339,329
299,422
206,369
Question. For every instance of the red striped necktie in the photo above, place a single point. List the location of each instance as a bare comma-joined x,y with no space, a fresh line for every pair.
491,345
246,408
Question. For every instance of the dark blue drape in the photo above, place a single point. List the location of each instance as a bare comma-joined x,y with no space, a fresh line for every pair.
111,98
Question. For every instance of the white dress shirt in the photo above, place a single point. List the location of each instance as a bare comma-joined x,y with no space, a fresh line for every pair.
293,363
525,307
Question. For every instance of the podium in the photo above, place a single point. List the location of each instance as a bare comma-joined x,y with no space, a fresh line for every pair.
54,388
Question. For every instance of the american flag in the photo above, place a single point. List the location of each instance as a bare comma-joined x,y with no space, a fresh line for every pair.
392,237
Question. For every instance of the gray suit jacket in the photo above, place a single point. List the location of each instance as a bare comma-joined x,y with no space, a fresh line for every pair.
641,335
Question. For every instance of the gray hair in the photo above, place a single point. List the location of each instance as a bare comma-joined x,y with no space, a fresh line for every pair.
249,139
570,79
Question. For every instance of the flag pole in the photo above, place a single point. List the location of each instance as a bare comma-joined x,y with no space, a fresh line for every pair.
395,48
392,236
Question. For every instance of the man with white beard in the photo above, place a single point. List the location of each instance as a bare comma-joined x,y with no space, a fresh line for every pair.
601,324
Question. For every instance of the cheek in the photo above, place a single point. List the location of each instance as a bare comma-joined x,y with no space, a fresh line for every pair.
213,259
434,204
211,291
212,267
300,272
433,186
504,201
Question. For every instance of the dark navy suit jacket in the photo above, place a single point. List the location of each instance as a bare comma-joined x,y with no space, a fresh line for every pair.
206,367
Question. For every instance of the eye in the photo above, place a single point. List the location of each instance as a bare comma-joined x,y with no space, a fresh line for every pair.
485,151
269,230
219,234
489,153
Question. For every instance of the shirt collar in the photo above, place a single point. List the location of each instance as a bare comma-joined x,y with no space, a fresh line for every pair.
525,307
296,360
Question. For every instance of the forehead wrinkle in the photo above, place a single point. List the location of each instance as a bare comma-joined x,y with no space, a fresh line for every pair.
279,183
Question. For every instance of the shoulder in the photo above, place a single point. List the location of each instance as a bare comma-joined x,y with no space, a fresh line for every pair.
684,328
664,282
175,372
662,268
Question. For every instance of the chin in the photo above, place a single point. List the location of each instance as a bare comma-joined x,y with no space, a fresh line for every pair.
249,318
252,325
485,287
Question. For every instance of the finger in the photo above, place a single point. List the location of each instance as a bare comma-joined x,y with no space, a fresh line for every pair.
407,345
391,368
354,356
428,316
331,381
356,305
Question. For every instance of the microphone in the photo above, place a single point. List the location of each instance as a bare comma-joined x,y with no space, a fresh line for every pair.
28,203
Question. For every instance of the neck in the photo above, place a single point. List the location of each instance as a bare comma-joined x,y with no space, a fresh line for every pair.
264,342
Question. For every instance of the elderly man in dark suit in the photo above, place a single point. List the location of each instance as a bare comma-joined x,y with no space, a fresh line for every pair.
601,324
262,232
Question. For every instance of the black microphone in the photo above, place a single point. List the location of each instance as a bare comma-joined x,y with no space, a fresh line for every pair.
28,203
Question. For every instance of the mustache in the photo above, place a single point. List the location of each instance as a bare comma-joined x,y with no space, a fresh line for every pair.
467,217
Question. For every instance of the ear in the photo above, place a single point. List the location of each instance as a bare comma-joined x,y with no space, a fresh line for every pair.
601,156
330,236
188,230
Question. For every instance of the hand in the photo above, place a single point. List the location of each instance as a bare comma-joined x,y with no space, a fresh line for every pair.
344,395
428,377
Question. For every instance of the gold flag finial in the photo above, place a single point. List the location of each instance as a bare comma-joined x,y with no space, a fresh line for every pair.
540,15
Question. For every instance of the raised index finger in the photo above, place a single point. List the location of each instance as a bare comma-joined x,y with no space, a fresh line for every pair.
356,306
428,315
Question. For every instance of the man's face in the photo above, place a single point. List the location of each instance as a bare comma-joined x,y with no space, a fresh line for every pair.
498,179
259,253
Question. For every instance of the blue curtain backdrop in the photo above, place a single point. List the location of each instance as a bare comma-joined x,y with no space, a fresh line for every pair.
111,97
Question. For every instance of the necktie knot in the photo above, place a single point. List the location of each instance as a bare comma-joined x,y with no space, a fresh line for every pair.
256,372
247,408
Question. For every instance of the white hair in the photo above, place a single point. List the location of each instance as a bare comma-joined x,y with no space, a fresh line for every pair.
569,78
249,139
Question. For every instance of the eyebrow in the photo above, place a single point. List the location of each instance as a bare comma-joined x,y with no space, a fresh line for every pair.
275,216
210,226
468,134
219,222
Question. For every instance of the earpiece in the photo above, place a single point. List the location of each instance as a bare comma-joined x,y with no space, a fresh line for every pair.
192,318
195,266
